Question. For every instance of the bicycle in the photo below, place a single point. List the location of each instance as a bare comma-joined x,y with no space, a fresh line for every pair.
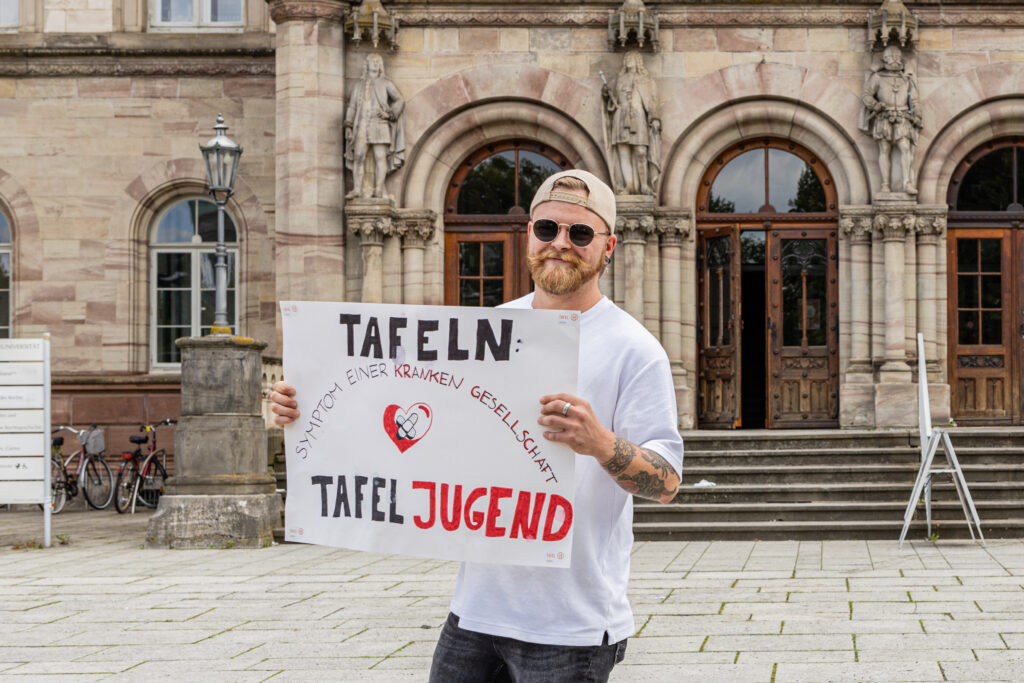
141,478
92,476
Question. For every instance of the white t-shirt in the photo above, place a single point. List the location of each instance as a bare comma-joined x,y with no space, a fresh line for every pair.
625,375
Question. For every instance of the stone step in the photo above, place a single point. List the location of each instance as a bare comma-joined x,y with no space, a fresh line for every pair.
802,492
821,530
858,455
816,511
764,440
839,473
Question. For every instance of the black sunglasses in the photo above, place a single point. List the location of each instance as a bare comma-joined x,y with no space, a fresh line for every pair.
580,234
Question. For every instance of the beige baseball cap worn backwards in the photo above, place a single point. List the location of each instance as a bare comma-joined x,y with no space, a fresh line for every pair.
601,199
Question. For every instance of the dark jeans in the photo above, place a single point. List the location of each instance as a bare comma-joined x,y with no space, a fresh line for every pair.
463,656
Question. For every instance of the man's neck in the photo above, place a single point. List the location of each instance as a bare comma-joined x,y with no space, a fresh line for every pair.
581,300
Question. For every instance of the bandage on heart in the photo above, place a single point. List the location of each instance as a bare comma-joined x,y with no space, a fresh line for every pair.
406,427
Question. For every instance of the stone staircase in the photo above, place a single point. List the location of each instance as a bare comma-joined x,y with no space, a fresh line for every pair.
823,485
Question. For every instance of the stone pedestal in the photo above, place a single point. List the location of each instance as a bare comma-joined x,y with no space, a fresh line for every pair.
633,225
371,221
221,494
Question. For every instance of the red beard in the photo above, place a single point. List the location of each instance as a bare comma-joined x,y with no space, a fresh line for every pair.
557,280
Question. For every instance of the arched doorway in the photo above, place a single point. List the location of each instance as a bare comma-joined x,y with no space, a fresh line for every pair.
986,284
486,213
767,291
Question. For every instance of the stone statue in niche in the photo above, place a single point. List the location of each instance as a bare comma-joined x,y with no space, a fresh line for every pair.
373,123
632,118
891,114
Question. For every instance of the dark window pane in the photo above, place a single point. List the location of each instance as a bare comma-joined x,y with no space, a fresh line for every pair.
176,10
968,327
5,333
991,255
967,291
173,307
1019,198
494,261
793,186
991,291
493,294
5,309
752,247
739,187
166,351
469,259
225,10
173,270
469,292
5,271
208,223
5,229
988,185
991,327
208,307
804,266
967,256
208,269
491,186
717,275
533,169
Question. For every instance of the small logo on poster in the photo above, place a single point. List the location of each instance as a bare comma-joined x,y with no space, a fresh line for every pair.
406,427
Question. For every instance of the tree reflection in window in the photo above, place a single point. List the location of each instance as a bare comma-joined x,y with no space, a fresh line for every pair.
767,180
504,182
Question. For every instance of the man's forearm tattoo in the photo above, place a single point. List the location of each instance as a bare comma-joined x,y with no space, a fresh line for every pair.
644,483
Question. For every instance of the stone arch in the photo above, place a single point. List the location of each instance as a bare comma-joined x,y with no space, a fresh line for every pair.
26,252
458,115
132,220
973,127
708,115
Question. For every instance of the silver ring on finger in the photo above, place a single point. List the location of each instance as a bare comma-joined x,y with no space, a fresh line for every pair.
565,408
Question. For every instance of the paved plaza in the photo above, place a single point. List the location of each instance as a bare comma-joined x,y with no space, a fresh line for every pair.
98,606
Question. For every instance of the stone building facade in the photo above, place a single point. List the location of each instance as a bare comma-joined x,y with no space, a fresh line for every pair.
785,283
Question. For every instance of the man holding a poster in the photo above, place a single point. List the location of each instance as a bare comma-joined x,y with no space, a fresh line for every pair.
552,623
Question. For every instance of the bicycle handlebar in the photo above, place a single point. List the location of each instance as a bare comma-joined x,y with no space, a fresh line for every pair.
152,428
61,428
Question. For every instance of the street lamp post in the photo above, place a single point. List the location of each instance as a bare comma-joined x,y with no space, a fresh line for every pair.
221,155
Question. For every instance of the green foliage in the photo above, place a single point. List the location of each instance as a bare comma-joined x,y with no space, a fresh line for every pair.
810,195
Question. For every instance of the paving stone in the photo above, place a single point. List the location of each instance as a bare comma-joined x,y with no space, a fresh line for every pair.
834,672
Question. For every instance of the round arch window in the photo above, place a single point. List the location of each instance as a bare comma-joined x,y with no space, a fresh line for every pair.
486,214
183,258
769,176
991,178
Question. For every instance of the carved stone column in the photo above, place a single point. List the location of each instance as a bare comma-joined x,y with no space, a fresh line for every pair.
674,228
634,223
416,228
309,237
652,282
857,394
895,394
931,226
370,223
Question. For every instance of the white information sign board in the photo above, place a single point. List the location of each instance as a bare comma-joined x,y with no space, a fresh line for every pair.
418,431
24,424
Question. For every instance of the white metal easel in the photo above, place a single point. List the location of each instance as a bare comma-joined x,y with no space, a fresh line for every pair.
931,439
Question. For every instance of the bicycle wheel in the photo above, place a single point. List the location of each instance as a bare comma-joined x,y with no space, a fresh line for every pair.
150,485
124,489
97,483
58,485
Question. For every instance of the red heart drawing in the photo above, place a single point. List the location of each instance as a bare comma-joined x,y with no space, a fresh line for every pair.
407,427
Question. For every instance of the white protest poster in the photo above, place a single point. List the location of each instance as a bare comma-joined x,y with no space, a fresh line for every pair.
418,432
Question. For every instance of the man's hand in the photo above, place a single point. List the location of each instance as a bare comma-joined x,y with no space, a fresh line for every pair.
577,427
283,404
636,470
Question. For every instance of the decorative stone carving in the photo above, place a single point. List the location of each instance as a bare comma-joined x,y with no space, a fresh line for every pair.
374,124
67,62
292,10
892,22
371,229
371,21
894,227
416,227
891,116
931,225
674,227
632,26
634,229
632,123
856,226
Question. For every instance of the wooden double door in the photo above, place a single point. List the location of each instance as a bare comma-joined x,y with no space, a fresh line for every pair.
768,327
986,324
